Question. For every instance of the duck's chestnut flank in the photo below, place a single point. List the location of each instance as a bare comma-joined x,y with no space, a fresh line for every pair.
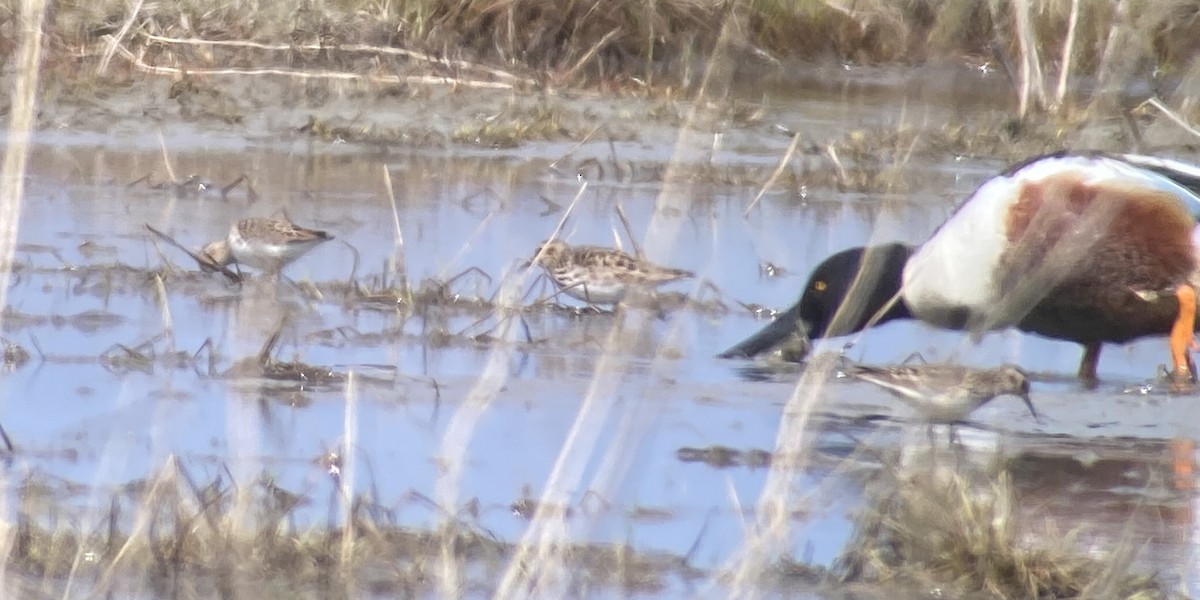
1085,248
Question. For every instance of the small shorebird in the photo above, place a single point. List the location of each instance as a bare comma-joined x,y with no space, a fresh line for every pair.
599,275
266,244
1091,248
946,394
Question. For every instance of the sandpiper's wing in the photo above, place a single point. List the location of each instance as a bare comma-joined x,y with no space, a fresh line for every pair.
661,274
633,267
917,385
282,232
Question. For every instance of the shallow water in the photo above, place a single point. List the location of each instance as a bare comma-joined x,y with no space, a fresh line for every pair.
82,411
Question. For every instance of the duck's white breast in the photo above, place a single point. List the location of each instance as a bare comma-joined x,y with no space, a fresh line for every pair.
954,269
954,275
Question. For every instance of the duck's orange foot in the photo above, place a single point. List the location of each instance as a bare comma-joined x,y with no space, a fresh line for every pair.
1183,381
1183,336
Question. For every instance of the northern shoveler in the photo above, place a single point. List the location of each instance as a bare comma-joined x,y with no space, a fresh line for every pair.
1089,248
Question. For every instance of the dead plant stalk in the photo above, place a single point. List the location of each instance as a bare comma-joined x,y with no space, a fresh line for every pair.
26,69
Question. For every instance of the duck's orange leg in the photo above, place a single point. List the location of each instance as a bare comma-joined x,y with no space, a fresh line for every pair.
1182,332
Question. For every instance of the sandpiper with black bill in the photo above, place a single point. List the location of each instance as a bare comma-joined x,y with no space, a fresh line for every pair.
266,244
600,275
946,394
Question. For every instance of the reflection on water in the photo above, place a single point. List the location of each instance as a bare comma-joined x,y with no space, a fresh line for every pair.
122,377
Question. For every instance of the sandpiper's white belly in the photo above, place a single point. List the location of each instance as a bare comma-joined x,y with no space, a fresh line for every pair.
263,253
599,292
946,408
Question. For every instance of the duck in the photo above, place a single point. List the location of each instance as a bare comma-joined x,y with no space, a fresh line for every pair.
1091,248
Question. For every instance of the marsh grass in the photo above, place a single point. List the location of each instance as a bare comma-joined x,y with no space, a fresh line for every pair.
512,128
1061,59
173,534
964,530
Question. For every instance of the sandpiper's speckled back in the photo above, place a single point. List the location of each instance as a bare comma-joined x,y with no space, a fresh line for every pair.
267,244
600,275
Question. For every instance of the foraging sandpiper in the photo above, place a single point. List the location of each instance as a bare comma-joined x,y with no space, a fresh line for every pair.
946,394
266,244
599,275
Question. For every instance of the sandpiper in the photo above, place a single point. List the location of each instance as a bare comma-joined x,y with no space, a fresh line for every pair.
266,244
599,275
946,394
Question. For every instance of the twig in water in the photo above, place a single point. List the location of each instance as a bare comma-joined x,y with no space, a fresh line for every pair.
637,250
783,162
250,193
445,286
354,264
264,355
580,143
837,162
204,262
399,264
8,445
162,146
478,231
208,344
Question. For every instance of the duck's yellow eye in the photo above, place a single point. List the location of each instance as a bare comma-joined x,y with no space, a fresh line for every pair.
820,286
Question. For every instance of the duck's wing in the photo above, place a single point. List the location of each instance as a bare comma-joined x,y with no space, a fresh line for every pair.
1181,179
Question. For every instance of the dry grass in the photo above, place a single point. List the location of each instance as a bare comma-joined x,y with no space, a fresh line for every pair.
962,531
173,536
628,43
233,534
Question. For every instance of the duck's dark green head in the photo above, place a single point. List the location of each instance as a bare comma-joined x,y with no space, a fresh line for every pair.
842,295
846,290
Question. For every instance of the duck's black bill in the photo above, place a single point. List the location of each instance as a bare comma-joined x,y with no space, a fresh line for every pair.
782,329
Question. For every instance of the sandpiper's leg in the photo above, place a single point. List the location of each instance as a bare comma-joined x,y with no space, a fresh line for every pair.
956,446
1087,366
1182,333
